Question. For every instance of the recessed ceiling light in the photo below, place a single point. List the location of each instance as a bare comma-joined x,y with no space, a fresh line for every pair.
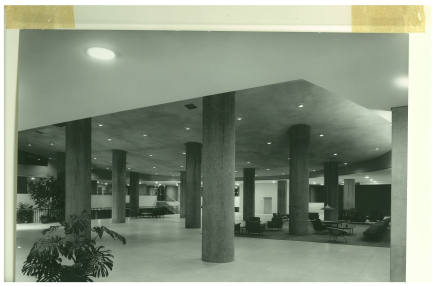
335,154
300,106
268,169
321,135
366,177
100,53
32,178
183,153
402,81
100,125
128,168
181,166
248,162
187,128
313,170
39,159
145,135
154,167
239,118
30,145
269,143
345,163
51,144
151,155
109,139
95,158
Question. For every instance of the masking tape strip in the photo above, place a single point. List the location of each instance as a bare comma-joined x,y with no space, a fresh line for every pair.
388,19
365,19
39,17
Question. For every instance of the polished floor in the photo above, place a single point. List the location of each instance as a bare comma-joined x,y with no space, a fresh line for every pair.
163,250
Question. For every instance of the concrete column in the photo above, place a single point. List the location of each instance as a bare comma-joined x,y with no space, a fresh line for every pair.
182,187
118,186
59,163
78,169
249,193
93,187
218,178
399,194
332,190
349,194
282,196
299,139
193,185
134,194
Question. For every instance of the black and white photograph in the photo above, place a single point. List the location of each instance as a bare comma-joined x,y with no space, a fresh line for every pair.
212,156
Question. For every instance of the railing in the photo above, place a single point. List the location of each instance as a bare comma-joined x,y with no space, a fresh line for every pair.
37,215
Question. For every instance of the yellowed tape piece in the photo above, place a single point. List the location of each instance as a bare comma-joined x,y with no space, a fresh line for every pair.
39,17
388,19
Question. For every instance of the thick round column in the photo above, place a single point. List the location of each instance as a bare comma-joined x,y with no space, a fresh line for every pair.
332,190
134,194
349,194
78,168
193,185
218,177
118,186
281,196
299,139
182,191
248,193
60,176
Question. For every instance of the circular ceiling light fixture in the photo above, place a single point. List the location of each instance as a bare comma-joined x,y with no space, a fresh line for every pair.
402,81
301,105
100,53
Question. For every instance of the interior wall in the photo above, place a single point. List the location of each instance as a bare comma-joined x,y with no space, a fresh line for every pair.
373,199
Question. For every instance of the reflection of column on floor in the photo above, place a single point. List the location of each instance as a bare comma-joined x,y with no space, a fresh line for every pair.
248,193
299,139
399,194
193,185
118,186
78,168
218,178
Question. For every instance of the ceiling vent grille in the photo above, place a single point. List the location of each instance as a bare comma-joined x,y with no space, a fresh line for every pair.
190,106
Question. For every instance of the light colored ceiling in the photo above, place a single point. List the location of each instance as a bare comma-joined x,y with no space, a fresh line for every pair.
58,82
353,132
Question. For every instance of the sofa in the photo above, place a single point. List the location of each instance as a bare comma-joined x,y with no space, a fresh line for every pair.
275,222
254,226
376,231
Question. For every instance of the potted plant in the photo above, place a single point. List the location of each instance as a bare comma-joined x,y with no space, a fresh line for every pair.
71,256
24,213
